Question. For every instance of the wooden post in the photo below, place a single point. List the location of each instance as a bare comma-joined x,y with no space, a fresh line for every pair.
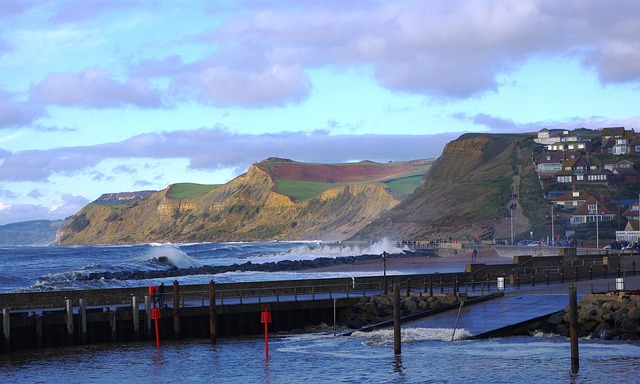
69,309
6,328
83,321
39,342
136,317
397,348
176,309
147,313
112,321
212,312
573,328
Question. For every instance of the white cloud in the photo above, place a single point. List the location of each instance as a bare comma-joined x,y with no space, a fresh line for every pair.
95,88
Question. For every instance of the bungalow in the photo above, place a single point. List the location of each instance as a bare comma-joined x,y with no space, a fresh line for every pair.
551,162
571,200
617,164
591,211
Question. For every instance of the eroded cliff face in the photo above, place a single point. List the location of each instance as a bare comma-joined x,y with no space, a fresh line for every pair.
459,158
247,208
463,195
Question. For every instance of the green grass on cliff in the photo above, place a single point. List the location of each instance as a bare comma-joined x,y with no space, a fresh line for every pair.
189,190
303,190
404,185
306,190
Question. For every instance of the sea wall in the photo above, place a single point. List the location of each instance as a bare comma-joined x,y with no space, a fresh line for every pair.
611,316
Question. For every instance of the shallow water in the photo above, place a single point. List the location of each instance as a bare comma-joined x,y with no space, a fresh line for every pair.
324,358
428,355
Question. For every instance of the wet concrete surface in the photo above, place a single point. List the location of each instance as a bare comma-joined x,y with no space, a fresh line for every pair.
517,305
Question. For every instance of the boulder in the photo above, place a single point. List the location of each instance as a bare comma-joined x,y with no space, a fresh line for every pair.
629,326
556,318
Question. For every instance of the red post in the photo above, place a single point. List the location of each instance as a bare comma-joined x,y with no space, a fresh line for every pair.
266,319
155,311
155,315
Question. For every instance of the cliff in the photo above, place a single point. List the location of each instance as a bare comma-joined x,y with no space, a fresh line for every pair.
465,194
276,199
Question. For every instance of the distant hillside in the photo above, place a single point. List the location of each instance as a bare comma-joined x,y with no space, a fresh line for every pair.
466,193
275,199
37,232
122,197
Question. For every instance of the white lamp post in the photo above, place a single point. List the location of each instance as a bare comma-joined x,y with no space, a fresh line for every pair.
511,212
553,234
597,228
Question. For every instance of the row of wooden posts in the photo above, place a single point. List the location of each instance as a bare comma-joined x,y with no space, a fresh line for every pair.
135,308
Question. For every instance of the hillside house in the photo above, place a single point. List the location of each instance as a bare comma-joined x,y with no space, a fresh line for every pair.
571,200
579,170
560,141
551,162
631,213
612,133
589,212
618,141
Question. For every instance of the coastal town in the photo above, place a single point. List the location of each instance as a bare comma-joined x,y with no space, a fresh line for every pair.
589,178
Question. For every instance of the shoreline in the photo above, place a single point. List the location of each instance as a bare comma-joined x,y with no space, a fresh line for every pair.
420,264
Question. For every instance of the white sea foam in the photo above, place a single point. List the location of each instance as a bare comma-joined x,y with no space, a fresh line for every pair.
385,336
171,254
314,250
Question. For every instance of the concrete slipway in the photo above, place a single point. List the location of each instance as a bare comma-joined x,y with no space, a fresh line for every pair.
518,310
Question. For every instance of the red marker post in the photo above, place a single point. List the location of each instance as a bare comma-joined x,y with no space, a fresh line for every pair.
155,311
266,319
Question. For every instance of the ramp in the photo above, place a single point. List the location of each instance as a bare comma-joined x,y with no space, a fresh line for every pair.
501,316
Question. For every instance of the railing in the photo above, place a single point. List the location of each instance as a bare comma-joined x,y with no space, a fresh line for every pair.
620,284
275,294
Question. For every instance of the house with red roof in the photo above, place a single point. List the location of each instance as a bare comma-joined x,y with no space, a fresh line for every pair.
591,211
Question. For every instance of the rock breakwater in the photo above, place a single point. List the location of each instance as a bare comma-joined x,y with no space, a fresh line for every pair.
612,316
377,309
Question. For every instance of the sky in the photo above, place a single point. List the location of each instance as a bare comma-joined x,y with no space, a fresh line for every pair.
103,96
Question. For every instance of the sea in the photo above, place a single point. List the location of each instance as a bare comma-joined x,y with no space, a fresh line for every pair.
318,355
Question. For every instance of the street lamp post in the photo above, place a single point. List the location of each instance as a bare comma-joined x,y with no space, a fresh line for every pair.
553,234
384,278
597,228
511,212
